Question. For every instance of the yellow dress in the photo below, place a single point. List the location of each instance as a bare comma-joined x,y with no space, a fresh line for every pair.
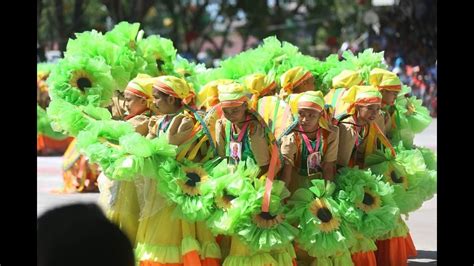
119,199
162,237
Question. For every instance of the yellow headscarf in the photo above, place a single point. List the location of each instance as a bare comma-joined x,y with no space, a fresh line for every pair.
291,79
361,95
313,100
346,79
385,80
232,95
208,96
259,85
176,87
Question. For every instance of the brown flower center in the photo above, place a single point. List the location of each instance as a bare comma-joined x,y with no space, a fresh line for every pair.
159,64
368,199
324,214
83,83
266,216
396,178
193,178
228,197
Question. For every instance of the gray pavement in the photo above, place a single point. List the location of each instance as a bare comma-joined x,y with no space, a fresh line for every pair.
422,223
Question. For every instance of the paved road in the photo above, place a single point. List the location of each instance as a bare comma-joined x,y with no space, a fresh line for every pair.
422,223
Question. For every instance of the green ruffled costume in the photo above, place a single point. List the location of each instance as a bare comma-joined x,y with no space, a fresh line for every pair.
412,182
375,210
263,238
232,194
411,118
43,125
324,231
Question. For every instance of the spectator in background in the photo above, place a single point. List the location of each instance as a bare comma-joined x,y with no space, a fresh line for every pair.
80,234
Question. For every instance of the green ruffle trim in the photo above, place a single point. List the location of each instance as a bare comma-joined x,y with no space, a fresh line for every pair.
66,117
258,259
430,158
158,253
210,250
189,244
170,254
43,125
285,255
282,258
401,230
377,219
265,239
342,259
363,244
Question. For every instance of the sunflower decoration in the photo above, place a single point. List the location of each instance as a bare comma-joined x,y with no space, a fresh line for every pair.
124,154
82,81
158,53
91,44
332,67
430,158
122,60
324,231
181,184
43,125
232,193
366,202
125,34
412,182
365,61
417,116
43,70
267,231
42,73
421,162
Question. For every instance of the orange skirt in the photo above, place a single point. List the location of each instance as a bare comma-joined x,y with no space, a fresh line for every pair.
395,251
364,259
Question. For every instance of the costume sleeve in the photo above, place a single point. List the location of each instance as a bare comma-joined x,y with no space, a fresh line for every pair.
333,145
347,137
259,143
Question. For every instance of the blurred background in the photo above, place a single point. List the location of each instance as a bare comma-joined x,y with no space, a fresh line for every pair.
208,31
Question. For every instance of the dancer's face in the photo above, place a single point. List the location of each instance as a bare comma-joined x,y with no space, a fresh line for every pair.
308,118
165,104
368,113
235,114
134,104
